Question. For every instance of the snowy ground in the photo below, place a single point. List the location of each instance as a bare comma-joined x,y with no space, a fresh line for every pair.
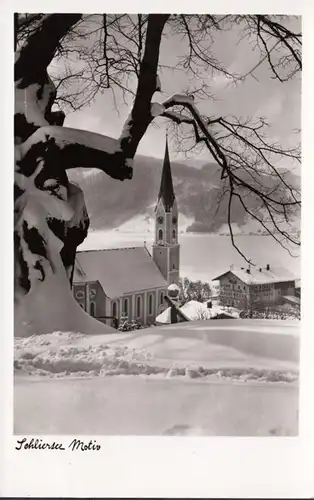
225,377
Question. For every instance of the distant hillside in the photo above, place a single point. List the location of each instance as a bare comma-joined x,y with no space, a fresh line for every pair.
112,203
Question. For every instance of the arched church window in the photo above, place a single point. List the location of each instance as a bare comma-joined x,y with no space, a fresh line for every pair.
93,309
114,309
150,304
174,220
160,234
160,220
161,298
125,306
174,235
138,307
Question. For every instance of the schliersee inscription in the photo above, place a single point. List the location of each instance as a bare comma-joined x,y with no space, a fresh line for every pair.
39,444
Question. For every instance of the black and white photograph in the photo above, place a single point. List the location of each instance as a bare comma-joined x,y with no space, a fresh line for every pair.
157,209
156,340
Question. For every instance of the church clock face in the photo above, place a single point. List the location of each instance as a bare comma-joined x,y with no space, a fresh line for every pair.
174,220
160,220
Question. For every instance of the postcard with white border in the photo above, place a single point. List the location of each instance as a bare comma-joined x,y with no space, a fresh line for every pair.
158,336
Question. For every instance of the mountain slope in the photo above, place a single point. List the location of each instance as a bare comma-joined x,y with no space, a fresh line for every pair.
112,203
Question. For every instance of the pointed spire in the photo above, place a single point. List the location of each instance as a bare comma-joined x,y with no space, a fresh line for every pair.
166,192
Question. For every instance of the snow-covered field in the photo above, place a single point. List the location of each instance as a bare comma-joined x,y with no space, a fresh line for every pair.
225,377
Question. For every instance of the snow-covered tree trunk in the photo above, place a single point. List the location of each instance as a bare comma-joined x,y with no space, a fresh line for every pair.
50,218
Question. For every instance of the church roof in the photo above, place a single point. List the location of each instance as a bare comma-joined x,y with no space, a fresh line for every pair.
119,271
166,192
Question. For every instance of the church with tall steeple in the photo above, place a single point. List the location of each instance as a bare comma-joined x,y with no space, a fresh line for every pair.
166,249
112,284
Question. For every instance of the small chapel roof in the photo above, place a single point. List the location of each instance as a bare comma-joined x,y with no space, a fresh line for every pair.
120,271
166,192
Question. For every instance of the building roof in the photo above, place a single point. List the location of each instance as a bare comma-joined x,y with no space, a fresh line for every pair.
119,271
166,192
260,275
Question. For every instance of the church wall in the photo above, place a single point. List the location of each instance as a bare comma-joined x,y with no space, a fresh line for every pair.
110,310
160,214
139,317
171,225
100,299
160,257
161,304
147,316
126,311
79,292
166,249
92,292
174,266
91,297
168,224
151,311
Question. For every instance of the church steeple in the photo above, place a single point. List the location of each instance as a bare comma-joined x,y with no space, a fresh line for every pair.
166,191
166,249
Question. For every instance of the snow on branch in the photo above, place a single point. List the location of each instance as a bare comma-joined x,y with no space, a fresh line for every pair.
157,109
158,84
179,99
79,148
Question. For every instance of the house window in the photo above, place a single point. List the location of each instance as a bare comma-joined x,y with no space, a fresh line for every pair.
125,306
92,308
114,309
160,235
161,298
150,303
138,307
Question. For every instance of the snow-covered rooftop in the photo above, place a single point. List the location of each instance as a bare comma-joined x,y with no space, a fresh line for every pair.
119,271
259,275
195,310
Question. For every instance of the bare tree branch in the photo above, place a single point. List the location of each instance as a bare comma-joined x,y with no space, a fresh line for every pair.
275,200
57,25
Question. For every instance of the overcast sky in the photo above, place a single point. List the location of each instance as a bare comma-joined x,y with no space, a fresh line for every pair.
258,96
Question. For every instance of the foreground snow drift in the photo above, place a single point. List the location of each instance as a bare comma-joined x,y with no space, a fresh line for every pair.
232,378
193,350
51,307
